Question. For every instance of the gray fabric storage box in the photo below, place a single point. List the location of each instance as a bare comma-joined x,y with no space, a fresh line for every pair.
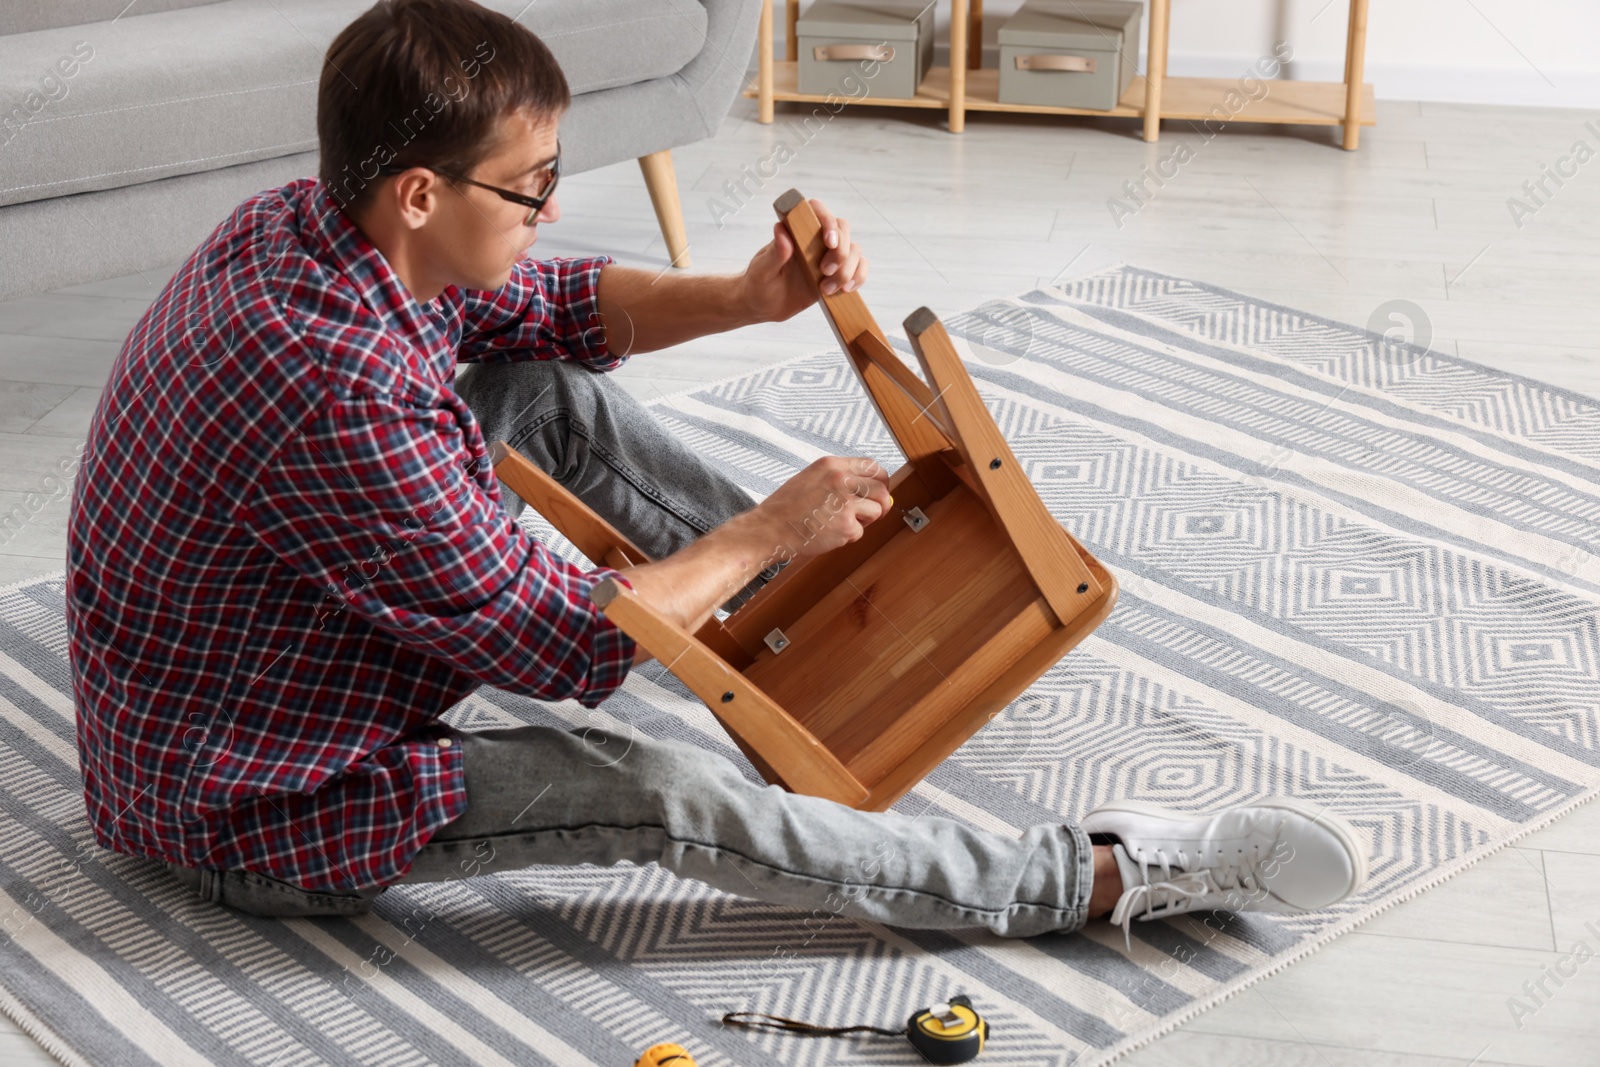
1069,53
837,39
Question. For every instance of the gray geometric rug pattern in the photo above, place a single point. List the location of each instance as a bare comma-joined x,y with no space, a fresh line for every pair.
1353,571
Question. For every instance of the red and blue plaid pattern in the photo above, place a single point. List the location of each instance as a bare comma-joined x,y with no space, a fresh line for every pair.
288,556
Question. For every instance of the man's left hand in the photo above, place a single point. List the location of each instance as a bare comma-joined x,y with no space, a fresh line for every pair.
775,286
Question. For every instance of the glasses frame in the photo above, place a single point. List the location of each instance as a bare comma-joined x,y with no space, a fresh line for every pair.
534,204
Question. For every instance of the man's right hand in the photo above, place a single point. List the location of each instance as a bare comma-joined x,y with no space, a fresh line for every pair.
821,508
825,506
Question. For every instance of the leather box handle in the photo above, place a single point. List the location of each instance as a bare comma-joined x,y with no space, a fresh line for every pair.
1083,64
825,53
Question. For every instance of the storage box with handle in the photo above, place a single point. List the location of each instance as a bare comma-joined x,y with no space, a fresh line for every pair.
886,46
1069,53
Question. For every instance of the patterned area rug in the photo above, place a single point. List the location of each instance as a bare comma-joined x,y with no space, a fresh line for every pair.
1353,571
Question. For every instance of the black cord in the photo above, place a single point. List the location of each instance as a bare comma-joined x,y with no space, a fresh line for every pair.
795,1026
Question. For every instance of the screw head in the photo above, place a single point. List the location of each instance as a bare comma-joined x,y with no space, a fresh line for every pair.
727,696
994,464
1083,587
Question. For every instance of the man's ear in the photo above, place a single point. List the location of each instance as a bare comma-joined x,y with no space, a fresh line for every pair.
414,196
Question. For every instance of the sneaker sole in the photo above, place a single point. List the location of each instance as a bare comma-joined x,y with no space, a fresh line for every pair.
1319,816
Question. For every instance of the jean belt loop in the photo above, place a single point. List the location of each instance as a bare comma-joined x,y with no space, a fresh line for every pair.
210,885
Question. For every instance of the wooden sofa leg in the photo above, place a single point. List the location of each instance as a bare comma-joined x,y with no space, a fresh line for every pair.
663,186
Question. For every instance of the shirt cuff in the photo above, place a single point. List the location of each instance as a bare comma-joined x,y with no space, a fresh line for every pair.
582,285
613,651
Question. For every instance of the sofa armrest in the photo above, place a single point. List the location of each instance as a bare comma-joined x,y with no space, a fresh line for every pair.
715,76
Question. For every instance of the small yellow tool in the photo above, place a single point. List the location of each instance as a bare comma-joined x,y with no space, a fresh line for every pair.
954,1035
666,1055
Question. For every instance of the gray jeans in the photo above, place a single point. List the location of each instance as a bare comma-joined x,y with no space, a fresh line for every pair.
545,796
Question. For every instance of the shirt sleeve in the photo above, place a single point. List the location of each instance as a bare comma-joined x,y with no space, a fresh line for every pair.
548,309
373,502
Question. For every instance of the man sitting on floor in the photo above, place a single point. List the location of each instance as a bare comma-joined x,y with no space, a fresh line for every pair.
289,554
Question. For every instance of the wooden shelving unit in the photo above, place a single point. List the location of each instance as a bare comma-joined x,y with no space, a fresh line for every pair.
1151,96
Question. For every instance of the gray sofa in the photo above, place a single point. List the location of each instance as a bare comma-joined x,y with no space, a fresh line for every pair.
128,131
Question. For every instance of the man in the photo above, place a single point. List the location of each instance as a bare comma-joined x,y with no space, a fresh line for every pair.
289,553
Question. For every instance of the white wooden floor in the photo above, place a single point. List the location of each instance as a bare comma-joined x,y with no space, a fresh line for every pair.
1418,214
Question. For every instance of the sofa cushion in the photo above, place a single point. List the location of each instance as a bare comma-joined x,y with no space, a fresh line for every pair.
24,16
108,104
602,44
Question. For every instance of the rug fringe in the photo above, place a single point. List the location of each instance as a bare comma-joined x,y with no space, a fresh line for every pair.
10,1006
37,1031
52,576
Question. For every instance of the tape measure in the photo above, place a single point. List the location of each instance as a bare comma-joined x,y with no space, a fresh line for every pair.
954,1035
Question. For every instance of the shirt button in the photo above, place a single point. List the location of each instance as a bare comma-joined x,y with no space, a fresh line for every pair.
445,742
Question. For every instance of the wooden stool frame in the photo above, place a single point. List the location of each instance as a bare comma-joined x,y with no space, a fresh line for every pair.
853,674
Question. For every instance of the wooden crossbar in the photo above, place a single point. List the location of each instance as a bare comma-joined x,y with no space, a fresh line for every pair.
803,763
1045,547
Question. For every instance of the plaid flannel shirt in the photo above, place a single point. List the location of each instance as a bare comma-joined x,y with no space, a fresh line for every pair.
288,556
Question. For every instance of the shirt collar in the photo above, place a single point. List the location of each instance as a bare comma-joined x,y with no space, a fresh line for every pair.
339,244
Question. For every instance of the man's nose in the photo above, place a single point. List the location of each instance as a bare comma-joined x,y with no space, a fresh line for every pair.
551,212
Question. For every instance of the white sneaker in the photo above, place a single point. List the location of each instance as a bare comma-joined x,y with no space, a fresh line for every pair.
1278,855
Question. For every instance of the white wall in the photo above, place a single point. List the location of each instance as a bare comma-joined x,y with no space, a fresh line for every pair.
1536,52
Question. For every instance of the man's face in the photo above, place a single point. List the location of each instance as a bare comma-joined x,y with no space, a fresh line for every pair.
475,236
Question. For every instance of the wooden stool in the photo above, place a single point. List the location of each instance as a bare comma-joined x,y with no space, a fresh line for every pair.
855,673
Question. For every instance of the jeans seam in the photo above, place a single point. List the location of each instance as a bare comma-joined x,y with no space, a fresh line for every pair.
252,880
627,473
1072,911
1083,884
212,884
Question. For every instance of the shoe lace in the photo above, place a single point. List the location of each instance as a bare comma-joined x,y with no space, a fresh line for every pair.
1174,894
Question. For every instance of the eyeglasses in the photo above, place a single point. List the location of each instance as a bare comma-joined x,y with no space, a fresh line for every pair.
534,204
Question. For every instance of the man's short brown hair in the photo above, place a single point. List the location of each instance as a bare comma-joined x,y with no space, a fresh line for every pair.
425,83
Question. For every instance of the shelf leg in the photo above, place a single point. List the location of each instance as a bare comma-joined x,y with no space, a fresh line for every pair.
1349,26
1355,71
764,50
975,35
958,69
1155,67
791,42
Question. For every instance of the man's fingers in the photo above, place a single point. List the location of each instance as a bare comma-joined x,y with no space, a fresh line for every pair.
782,244
830,225
873,489
864,488
868,467
864,513
849,274
839,250
861,271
